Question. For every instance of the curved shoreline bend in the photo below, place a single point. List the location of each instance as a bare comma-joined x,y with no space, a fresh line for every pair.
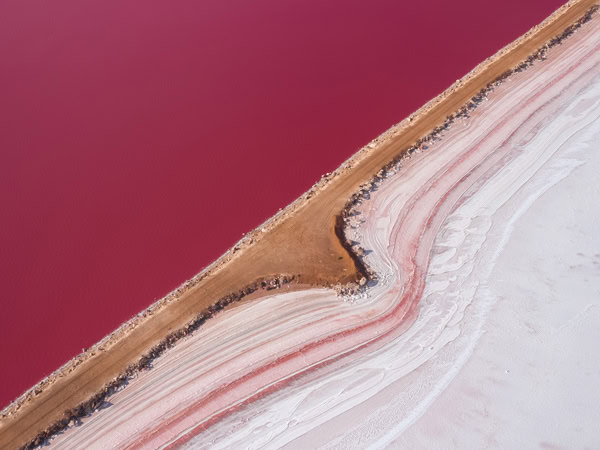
318,346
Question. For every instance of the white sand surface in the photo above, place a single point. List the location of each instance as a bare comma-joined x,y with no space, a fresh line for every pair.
481,330
533,378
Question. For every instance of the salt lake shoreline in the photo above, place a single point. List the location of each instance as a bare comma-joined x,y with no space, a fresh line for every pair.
10,417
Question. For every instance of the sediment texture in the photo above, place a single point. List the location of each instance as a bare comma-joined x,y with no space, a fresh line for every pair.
301,242
478,326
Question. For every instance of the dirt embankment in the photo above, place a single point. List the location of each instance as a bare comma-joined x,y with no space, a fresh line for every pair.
303,241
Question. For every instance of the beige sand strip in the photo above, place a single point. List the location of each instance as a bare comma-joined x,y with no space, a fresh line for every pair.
300,241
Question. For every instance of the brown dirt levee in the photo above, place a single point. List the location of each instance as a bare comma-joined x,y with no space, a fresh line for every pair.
301,241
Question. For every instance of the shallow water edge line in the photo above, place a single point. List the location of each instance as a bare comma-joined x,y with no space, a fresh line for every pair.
302,241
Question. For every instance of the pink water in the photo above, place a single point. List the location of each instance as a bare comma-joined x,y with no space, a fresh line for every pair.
139,140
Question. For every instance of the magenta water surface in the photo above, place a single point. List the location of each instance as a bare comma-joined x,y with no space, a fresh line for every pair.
139,140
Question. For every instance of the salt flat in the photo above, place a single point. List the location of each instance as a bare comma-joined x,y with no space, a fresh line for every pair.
532,377
479,330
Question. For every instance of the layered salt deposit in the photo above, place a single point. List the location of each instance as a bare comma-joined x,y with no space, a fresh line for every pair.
478,331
